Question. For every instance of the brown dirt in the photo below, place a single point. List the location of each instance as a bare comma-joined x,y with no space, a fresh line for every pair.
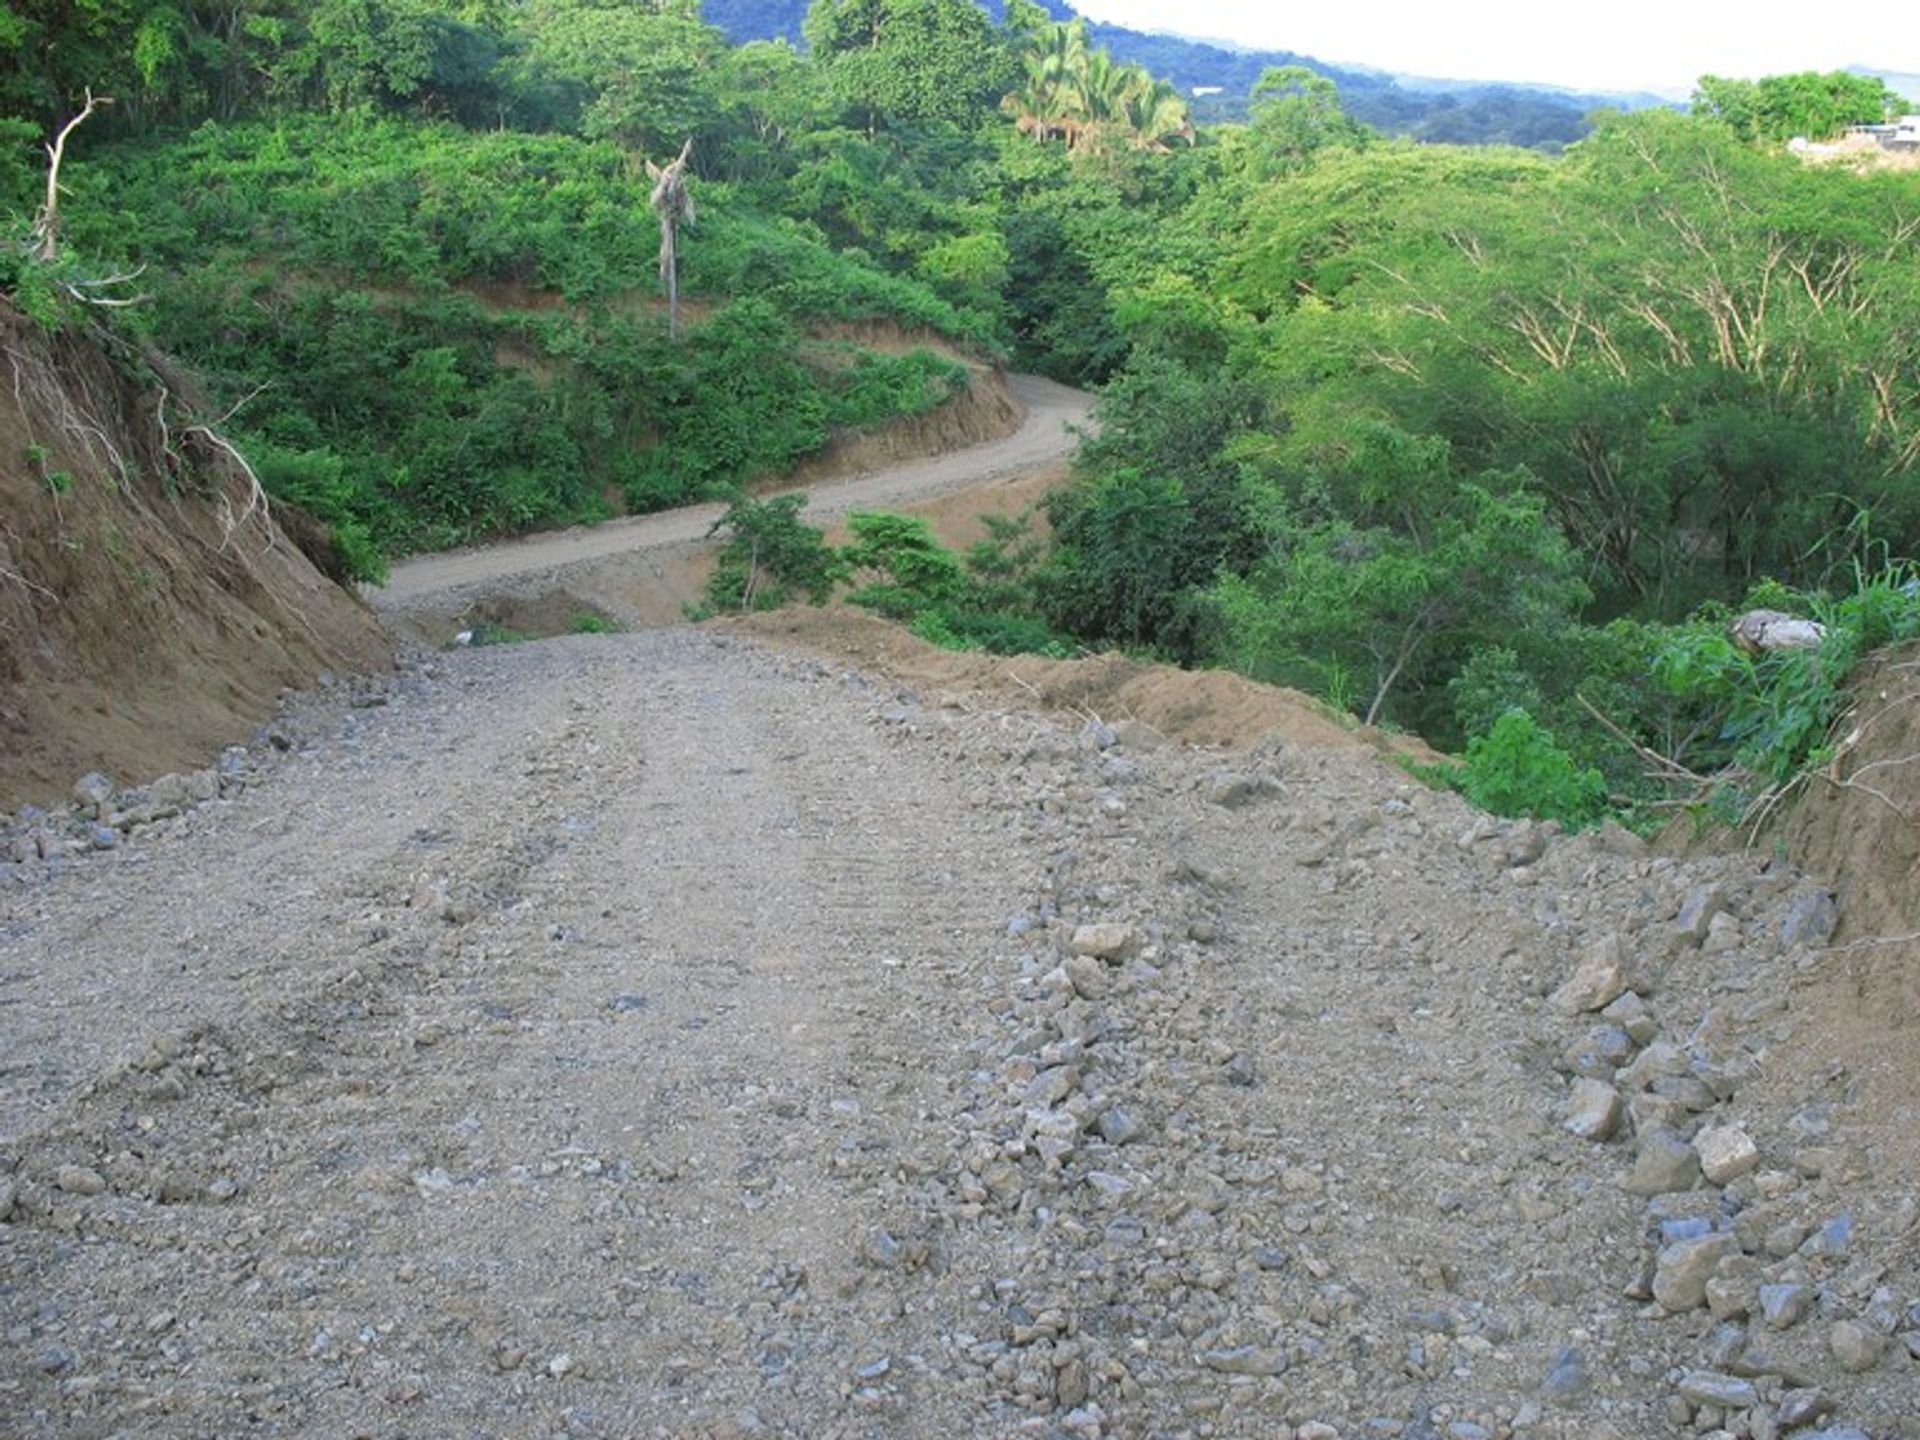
1205,707
144,622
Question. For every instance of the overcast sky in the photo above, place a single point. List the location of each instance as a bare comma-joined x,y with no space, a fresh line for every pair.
1589,44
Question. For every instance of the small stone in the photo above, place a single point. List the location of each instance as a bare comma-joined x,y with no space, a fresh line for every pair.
1568,1379
103,837
1593,1109
1117,1125
562,1365
1810,920
79,1180
1051,1086
1703,902
1664,1163
1089,976
1108,940
1857,1347
1784,1306
1802,1407
1633,1015
1682,1269
1726,1153
92,791
1245,1360
1723,934
1600,978
1710,1387
1232,792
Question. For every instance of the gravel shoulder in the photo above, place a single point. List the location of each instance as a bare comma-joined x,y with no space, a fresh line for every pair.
663,1034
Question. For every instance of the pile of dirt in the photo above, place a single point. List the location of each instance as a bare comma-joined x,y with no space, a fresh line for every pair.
151,608
1204,707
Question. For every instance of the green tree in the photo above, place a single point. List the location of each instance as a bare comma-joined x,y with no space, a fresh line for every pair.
1295,113
910,62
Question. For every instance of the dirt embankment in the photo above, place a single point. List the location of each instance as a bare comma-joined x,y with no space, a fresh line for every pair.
151,609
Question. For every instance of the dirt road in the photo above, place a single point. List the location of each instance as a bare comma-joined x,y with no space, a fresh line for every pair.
1046,437
663,1034
660,1035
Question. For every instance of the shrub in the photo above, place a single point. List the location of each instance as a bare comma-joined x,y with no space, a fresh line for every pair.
1517,769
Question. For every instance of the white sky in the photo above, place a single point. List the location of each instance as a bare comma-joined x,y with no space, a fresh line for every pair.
1587,44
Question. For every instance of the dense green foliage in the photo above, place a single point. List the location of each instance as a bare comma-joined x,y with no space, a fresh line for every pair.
1812,105
1477,442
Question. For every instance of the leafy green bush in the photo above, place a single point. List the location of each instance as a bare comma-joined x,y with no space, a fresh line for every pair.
1517,769
771,556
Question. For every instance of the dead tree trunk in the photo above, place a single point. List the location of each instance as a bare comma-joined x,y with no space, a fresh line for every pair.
46,225
674,205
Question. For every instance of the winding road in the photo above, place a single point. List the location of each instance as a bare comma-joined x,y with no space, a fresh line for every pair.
1046,436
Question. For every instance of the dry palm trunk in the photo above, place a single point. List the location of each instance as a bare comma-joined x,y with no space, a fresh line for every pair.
674,205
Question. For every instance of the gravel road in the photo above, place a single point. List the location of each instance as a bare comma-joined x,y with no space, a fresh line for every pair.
663,1035
1045,437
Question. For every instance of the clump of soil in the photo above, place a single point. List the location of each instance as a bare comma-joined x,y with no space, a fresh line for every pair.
151,608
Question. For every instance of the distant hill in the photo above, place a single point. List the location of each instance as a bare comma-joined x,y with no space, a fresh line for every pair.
1221,76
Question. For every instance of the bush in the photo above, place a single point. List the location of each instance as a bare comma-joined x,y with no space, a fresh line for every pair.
770,556
1517,769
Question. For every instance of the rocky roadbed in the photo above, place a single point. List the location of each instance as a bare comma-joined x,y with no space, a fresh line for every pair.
664,1035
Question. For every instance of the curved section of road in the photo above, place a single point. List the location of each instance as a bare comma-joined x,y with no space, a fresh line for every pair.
1054,412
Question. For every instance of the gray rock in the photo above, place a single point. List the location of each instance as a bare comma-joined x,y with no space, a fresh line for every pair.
1245,1360
79,1180
1633,1015
103,837
1710,1387
1660,1060
1682,1269
1050,1087
1089,976
1784,1306
1593,1109
1117,1125
92,791
1598,1053
1810,920
1233,791
1567,1381
1663,1163
1600,978
1857,1347
1723,934
1802,1407
1726,1153
1703,902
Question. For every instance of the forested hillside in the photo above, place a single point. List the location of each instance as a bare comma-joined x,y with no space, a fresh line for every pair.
1479,441
1464,114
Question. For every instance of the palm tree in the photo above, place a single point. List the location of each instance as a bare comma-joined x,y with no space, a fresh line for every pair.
1082,96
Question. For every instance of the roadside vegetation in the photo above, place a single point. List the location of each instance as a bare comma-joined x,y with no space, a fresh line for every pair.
1483,443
